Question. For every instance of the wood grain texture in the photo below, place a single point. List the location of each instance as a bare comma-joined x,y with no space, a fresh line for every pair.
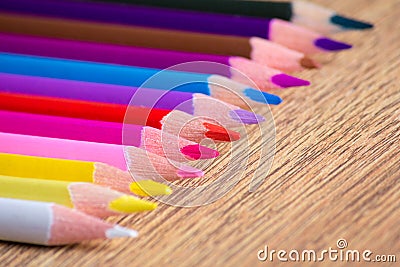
335,174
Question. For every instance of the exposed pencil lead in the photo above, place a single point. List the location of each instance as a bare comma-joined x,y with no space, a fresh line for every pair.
146,188
262,97
331,45
246,117
199,152
219,133
348,23
130,204
309,63
186,172
118,231
286,81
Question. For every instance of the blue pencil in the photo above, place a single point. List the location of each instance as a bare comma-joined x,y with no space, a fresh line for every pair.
214,85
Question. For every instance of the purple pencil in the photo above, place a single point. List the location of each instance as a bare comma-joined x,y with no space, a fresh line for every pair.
191,103
282,32
264,77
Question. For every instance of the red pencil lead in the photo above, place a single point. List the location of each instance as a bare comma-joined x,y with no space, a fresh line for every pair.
219,133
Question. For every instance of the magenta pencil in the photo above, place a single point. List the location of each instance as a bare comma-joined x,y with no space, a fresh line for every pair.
148,138
229,66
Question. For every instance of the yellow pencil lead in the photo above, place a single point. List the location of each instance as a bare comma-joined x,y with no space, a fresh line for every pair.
149,188
130,204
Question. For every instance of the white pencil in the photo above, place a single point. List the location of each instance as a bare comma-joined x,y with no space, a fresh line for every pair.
49,224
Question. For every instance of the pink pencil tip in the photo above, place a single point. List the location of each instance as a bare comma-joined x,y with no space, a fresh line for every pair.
197,151
187,172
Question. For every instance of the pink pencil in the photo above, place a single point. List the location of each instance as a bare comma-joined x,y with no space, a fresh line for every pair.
148,138
143,166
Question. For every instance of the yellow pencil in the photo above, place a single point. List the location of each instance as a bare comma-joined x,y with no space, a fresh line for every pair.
89,198
76,171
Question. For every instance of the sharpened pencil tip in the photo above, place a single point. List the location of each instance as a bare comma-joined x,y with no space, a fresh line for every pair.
199,152
246,117
146,188
186,172
331,45
285,81
349,24
118,231
262,97
219,133
130,204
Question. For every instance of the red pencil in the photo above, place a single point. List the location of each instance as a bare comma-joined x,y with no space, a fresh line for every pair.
192,128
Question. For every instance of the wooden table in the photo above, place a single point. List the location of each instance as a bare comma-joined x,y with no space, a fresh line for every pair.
335,174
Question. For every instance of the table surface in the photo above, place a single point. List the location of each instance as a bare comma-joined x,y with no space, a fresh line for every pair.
335,174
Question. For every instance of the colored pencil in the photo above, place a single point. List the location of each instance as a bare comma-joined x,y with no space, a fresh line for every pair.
264,77
276,30
91,199
123,158
142,166
191,128
152,167
191,103
214,85
49,224
150,139
257,49
310,15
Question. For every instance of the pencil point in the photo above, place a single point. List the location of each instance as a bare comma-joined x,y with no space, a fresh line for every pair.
331,45
146,188
349,23
246,117
199,152
219,133
308,63
285,81
130,204
118,231
186,172
262,97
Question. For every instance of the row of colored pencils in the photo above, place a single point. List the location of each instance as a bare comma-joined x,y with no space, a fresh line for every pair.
89,123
